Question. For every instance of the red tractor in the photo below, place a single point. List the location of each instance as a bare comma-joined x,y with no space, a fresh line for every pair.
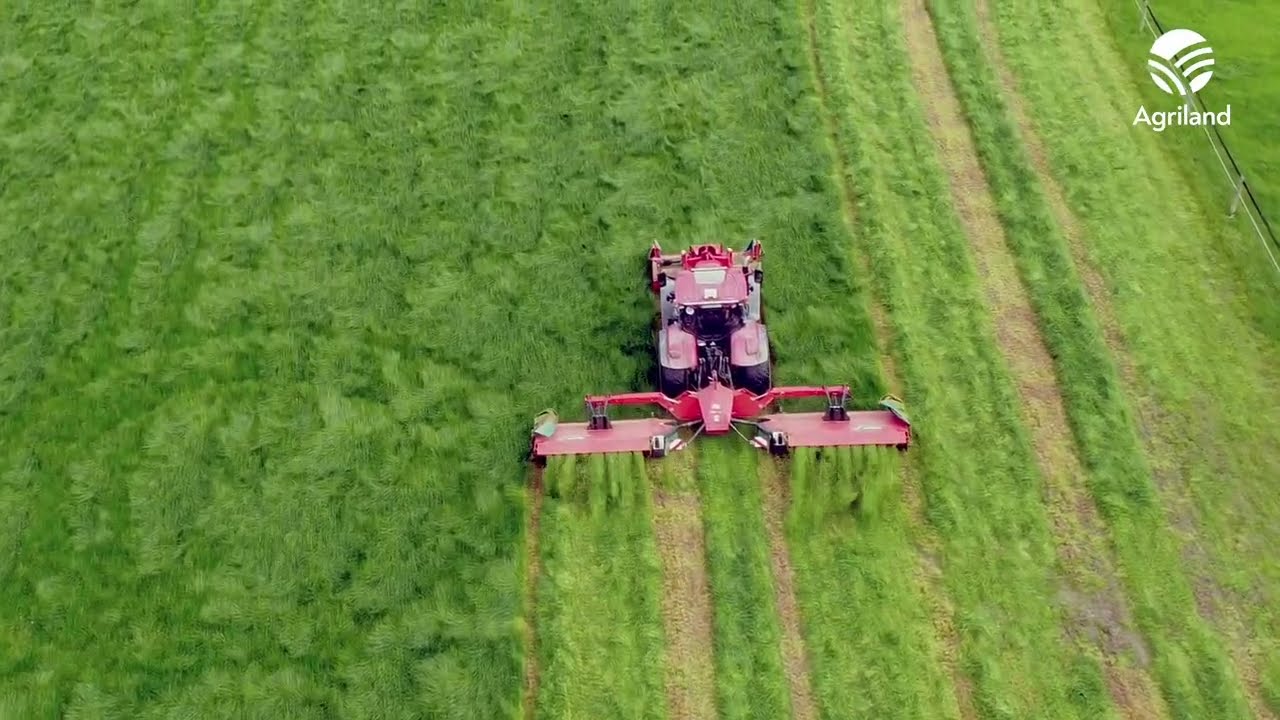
715,374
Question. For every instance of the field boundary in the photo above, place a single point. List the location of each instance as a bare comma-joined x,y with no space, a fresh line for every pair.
930,578
1240,190
1093,599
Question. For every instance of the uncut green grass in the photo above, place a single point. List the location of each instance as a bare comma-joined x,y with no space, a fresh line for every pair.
600,641
284,285
973,458
1190,662
1191,292
1244,76
750,681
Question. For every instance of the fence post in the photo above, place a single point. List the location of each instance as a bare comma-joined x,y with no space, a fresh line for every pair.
1237,197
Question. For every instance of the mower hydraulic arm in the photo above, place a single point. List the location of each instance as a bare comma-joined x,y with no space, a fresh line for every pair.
791,393
642,398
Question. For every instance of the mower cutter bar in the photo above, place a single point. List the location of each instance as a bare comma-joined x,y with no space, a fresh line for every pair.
868,427
625,436
715,410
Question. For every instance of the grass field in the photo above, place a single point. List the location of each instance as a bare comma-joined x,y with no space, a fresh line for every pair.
1190,662
284,284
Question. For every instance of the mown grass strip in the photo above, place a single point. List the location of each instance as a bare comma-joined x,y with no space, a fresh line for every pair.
1192,299
532,571
959,393
874,652
1098,612
1128,676
929,577
750,678
1191,663
600,617
686,605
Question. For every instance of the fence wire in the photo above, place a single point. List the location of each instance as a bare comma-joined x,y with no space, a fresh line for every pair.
1242,194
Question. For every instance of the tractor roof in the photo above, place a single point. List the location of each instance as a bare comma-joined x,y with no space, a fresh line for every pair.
711,284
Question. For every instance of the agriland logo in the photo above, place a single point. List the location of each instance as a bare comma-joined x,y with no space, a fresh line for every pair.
1181,63
1171,66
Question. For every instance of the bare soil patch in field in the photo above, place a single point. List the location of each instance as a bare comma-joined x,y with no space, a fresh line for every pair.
686,605
533,571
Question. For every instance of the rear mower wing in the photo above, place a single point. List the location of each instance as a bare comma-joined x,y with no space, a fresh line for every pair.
776,432
653,437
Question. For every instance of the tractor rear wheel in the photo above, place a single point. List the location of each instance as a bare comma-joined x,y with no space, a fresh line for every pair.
672,382
756,379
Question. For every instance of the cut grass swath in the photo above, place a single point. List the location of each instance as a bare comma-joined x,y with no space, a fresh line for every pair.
980,485
750,681
1195,301
600,637
1098,616
869,635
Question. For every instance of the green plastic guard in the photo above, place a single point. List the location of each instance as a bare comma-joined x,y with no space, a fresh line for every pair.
894,405
544,423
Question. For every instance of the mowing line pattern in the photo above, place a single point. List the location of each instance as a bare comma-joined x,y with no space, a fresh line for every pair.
686,605
1184,447
1174,449
1129,679
1154,236
1093,598
929,579
751,675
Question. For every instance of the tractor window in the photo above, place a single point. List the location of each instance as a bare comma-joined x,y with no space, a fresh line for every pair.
712,322
709,276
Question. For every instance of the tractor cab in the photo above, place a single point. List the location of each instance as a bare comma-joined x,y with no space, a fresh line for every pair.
712,322
710,299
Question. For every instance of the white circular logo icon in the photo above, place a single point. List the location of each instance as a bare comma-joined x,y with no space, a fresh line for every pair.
1181,62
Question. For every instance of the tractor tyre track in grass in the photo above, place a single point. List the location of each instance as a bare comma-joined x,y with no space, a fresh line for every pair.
686,604
930,576
533,572
795,659
1093,598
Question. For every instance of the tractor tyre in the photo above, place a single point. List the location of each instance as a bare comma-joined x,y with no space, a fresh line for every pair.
756,379
673,382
